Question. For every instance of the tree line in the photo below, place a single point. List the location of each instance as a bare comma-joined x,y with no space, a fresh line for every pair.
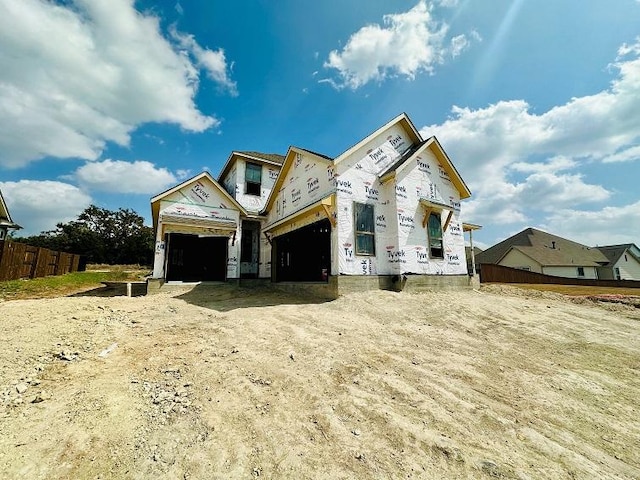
103,236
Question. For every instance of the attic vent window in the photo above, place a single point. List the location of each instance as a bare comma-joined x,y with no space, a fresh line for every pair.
581,271
253,179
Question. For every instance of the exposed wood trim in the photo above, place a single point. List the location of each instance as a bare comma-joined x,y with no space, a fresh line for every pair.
446,224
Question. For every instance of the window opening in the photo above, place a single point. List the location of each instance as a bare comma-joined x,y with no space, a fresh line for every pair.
434,229
364,229
253,179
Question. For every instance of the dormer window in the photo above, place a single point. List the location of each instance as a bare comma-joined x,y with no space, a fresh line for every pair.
253,179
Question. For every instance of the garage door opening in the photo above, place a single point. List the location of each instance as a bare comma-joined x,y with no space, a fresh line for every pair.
191,258
304,255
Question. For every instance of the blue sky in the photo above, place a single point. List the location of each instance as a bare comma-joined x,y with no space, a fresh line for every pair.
536,102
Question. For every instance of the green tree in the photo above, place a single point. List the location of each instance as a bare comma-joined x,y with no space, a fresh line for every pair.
103,236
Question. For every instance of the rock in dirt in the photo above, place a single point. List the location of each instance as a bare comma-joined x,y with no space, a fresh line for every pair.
21,388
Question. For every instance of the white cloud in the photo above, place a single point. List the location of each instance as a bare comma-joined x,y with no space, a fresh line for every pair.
407,44
39,205
213,62
609,226
494,146
76,75
117,176
624,155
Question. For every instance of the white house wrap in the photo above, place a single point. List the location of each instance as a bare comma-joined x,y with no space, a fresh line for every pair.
390,206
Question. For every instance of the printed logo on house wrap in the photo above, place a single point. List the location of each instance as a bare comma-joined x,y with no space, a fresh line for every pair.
273,174
455,230
292,179
401,191
344,186
405,220
396,256
232,262
348,251
371,193
443,173
423,166
397,142
199,191
422,256
296,195
453,258
378,155
381,221
331,173
365,266
309,166
313,184
454,204
297,161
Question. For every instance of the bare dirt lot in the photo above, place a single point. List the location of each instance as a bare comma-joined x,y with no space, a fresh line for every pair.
216,382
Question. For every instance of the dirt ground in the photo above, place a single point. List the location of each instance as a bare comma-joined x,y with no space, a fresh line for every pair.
213,382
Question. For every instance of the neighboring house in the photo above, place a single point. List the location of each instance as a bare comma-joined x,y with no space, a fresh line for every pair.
541,252
624,262
387,208
6,223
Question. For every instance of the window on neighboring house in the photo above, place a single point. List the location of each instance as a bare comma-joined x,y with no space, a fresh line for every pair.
581,271
364,229
528,269
617,271
253,179
434,232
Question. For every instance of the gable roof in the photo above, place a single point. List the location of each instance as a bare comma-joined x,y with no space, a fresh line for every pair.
286,165
434,145
274,159
155,201
5,216
614,252
546,249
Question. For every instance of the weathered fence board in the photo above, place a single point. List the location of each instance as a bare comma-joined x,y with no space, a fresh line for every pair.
18,260
490,273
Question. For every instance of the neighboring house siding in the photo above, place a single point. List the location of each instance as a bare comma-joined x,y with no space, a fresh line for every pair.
629,268
570,272
517,259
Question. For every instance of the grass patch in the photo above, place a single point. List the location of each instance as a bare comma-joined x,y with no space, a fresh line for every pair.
62,285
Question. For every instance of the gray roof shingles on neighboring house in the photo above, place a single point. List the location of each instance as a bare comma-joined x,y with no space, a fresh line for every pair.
546,249
614,252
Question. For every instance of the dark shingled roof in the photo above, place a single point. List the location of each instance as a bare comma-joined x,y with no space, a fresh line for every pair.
614,252
546,249
269,157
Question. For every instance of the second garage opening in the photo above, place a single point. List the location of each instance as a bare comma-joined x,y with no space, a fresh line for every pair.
303,255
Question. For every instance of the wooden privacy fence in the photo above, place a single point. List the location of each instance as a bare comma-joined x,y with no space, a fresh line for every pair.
19,260
498,274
